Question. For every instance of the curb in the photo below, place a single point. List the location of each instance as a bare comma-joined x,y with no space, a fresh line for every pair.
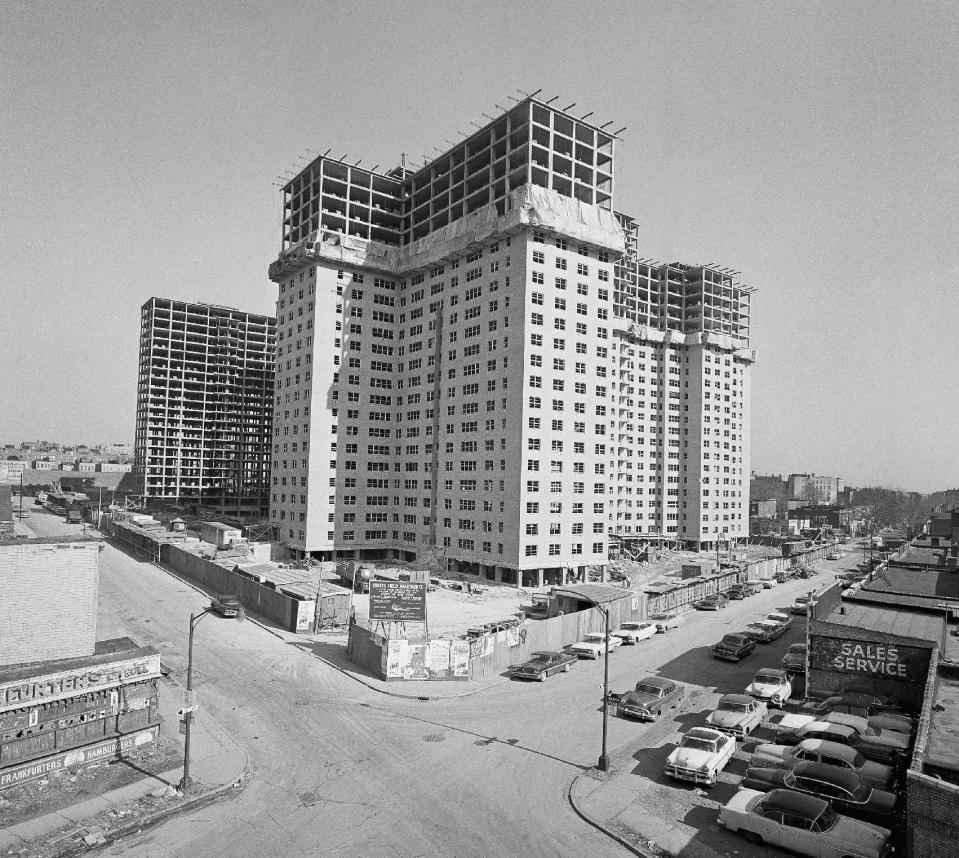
599,826
420,697
236,787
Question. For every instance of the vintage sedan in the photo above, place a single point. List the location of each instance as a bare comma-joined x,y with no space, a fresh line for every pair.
737,714
734,647
801,605
843,788
794,661
226,605
593,645
784,620
770,685
542,664
829,753
666,620
765,631
633,633
843,734
702,754
710,603
651,697
857,704
803,824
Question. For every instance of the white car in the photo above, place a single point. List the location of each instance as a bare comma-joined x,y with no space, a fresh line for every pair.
737,714
633,633
666,620
771,685
781,618
803,824
593,645
702,754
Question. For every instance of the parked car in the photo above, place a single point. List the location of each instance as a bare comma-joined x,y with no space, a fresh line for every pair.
771,686
801,605
593,645
829,753
734,647
633,633
754,587
710,603
803,824
542,664
666,620
785,620
765,631
226,605
794,661
650,698
737,591
898,740
843,788
737,714
871,747
769,583
702,754
854,704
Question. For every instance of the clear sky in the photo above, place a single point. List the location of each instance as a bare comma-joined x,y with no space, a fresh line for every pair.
813,146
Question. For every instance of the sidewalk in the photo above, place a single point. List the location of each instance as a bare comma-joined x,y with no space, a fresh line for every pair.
650,815
218,765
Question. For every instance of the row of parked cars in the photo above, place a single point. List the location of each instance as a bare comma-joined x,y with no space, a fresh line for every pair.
543,664
735,646
826,785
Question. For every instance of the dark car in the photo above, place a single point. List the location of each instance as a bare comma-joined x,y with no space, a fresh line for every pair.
734,647
710,603
226,605
842,734
843,788
737,591
794,661
651,697
765,631
542,664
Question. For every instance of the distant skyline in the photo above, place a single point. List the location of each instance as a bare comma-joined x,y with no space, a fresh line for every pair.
810,146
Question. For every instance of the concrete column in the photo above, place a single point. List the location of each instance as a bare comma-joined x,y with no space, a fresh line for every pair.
539,577
498,574
519,578
602,574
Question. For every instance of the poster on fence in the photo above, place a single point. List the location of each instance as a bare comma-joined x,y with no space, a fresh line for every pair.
397,656
460,658
439,658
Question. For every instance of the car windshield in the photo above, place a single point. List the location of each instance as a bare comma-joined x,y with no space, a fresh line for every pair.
630,627
735,640
797,649
733,706
649,689
827,819
698,744
766,677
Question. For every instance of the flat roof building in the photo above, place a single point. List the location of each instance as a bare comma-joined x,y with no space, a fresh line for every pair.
482,368
204,406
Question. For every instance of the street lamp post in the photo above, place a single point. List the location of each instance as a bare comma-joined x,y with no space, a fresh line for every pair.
186,783
603,765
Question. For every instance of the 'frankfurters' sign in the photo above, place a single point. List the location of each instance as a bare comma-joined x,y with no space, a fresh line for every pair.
869,658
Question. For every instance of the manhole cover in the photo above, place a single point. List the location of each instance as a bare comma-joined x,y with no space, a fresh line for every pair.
434,737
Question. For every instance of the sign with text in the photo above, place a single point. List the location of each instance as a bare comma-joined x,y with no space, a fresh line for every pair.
869,658
397,601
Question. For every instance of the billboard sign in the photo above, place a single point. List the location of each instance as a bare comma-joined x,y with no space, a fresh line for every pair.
869,658
397,601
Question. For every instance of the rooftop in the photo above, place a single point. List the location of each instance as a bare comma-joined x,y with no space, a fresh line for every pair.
913,554
906,624
104,652
914,588
942,744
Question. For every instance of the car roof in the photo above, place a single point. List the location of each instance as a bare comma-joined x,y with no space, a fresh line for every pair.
736,698
739,635
797,646
772,671
824,772
831,727
823,746
794,802
706,733
544,653
657,681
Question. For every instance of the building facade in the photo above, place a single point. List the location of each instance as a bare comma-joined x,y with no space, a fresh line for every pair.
204,406
473,363
818,489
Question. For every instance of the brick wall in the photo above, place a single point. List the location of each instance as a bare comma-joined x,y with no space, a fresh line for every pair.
48,600
931,813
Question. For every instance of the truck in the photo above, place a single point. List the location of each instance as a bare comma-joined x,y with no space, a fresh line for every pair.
74,516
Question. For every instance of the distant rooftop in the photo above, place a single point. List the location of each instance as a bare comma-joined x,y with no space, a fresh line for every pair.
875,618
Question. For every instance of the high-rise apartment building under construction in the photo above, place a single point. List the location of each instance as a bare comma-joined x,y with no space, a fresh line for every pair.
474,363
205,407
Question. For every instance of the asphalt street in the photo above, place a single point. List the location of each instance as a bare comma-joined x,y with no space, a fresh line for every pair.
341,770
